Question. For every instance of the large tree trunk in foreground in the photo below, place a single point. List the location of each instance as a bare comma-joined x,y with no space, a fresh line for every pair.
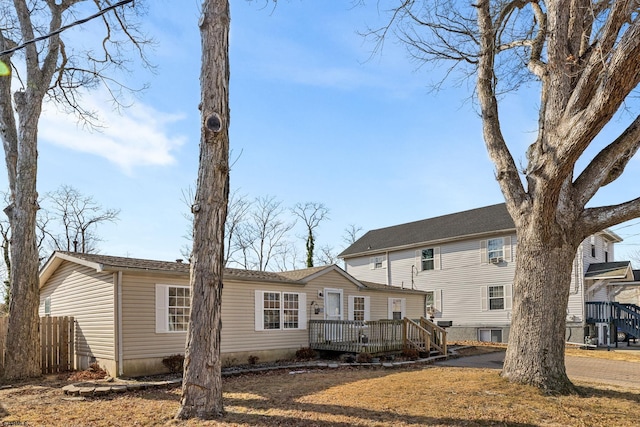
22,353
535,354
202,383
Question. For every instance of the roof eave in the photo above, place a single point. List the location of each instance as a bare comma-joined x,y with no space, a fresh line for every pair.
426,243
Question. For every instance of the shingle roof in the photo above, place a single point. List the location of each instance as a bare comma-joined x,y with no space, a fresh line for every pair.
108,262
114,263
608,270
472,222
303,273
387,288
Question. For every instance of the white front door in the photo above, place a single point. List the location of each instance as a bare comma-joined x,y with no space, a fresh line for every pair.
333,304
333,311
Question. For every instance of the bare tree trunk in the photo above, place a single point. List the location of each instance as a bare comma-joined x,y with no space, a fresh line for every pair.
22,355
535,354
202,384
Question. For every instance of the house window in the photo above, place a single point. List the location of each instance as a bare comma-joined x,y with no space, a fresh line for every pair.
490,335
377,262
397,308
496,297
495,248
291,310
280,310
173,307
358,308
179,308
430,299
271,310
47,306
427,260
593,247
606,252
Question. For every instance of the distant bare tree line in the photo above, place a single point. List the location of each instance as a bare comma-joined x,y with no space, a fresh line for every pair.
260,233
67,221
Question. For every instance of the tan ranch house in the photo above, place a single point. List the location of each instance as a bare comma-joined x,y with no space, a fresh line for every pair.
131,313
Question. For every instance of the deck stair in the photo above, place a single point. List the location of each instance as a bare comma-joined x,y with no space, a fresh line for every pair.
625,317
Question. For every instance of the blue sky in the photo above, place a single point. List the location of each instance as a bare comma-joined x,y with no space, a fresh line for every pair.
314,117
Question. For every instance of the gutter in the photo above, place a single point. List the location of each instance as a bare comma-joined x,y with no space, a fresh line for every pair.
426,243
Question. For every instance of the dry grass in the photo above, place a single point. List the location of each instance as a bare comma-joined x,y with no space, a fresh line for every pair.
622,353
344,397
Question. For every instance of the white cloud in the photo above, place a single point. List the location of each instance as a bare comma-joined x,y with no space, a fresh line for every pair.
136,136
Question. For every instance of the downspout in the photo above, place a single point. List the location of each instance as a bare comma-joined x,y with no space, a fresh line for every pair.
119,363
388,268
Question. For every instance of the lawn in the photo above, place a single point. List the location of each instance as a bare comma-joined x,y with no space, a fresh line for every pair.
417,396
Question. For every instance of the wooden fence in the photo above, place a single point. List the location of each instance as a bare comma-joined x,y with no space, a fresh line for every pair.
56,343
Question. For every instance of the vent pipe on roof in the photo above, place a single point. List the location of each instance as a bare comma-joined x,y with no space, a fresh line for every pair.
75,246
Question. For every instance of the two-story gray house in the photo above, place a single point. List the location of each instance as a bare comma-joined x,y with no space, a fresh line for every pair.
466,263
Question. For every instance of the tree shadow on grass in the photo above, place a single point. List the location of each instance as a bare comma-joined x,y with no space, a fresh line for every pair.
594,392
314,414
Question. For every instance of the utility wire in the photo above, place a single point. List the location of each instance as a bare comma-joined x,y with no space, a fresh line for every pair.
66,27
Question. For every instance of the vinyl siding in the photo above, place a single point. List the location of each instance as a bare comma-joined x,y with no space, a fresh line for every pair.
140,339
459,280
378,299
361,268
81,292
463,274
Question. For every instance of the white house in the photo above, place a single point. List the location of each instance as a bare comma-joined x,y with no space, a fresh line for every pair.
466,263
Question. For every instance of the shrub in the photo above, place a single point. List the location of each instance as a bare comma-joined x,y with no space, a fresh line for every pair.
252,360
305,353
410,353
174,363
364,358
229,362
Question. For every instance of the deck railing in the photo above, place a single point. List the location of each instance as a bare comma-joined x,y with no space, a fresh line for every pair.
377,336
355,336
438,335
625,317
415,336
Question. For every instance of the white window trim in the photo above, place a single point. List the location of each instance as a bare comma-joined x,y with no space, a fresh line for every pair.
47,306
437,263
403,309
259,311
162,308
507,255
437,300
367,307
484,298
382,259
490,331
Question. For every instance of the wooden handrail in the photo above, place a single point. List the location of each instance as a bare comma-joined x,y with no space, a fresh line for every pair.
438,335
416,336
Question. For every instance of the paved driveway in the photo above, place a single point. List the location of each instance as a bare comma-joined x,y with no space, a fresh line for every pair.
591,369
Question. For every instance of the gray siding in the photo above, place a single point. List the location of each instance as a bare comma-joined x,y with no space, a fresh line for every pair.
462,274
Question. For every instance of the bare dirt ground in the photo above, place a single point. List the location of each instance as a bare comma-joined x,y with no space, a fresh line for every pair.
415,396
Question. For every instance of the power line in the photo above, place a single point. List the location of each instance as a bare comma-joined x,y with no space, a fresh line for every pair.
625,226
66,27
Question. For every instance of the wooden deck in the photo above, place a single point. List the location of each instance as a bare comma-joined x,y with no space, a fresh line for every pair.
377,337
